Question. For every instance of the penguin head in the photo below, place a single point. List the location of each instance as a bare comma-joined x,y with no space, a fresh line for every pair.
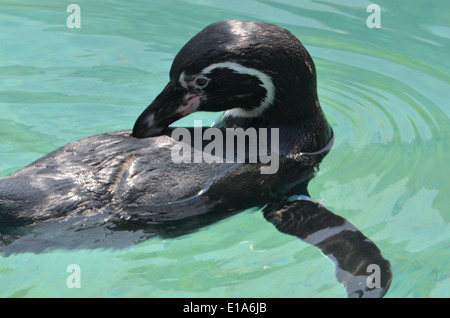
248,69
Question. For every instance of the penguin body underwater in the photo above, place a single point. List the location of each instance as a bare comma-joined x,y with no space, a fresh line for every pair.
261,77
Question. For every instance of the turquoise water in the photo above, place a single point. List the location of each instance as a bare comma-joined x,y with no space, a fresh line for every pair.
385,91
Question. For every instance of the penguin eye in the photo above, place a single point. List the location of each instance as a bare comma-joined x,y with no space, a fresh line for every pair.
201,81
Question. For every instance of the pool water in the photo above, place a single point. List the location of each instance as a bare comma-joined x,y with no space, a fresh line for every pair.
385,91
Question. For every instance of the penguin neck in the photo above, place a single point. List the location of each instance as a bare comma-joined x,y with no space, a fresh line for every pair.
303,126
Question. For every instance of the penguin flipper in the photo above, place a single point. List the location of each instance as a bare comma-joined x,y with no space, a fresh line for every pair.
360,267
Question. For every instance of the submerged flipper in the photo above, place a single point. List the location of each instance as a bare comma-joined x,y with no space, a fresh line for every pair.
360,267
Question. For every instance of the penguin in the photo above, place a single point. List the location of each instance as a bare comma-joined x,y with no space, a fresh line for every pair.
122,187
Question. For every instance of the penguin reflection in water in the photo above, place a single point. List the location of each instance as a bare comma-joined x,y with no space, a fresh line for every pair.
115,189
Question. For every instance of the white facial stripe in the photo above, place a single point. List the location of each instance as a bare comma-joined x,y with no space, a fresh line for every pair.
182,80
266,81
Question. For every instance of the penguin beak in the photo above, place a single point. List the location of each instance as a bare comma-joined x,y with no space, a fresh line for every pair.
173,103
